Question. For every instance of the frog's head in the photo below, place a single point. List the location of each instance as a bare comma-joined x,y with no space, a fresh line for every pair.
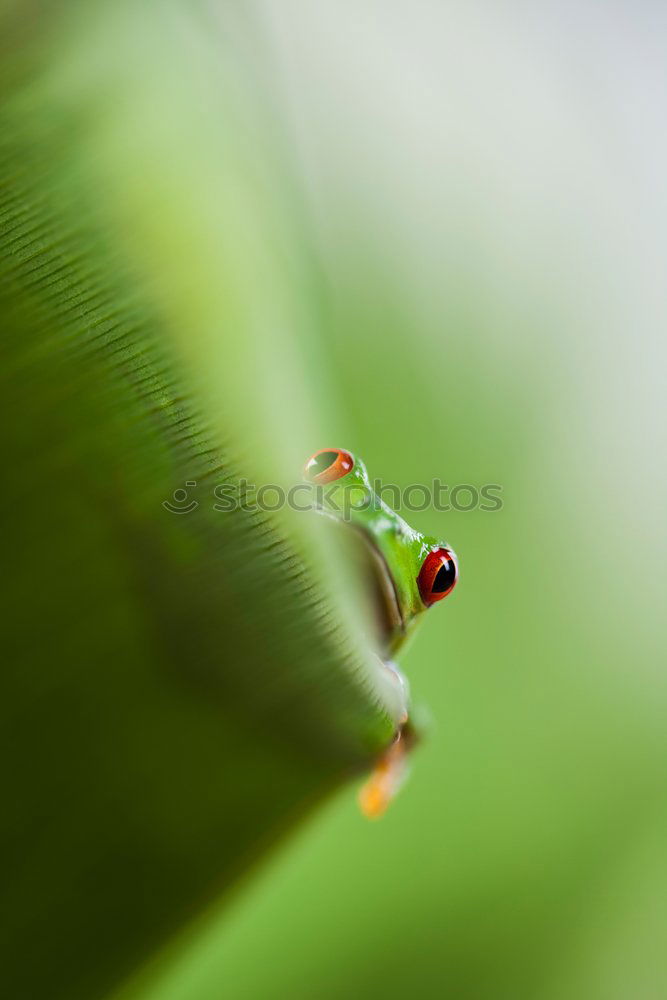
409,571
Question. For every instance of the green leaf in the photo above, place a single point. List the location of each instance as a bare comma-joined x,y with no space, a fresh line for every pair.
177,688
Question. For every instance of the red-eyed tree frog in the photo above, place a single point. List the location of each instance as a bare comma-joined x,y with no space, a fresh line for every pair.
408,573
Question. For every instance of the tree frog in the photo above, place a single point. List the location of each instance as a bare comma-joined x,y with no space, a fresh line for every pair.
408,573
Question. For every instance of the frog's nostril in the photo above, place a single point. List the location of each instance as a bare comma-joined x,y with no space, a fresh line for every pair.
328,464
437,576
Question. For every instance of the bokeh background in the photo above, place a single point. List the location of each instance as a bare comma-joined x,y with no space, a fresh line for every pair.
482,188
437,234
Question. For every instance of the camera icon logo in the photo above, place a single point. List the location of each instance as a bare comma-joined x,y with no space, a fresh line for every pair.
179,502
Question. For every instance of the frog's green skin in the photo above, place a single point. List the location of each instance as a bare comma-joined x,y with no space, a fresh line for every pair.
396,554
396,549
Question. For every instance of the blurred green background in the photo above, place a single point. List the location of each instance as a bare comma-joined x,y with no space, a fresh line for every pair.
471,287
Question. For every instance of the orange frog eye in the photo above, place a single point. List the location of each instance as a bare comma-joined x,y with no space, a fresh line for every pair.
438,576
327,465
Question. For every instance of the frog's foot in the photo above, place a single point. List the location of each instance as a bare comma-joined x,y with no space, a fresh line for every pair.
391,769
387,776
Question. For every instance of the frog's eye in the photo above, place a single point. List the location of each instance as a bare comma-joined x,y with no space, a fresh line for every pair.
327,465
438,576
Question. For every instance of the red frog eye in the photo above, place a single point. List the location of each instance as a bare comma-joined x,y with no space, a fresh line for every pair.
327,465
438,576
